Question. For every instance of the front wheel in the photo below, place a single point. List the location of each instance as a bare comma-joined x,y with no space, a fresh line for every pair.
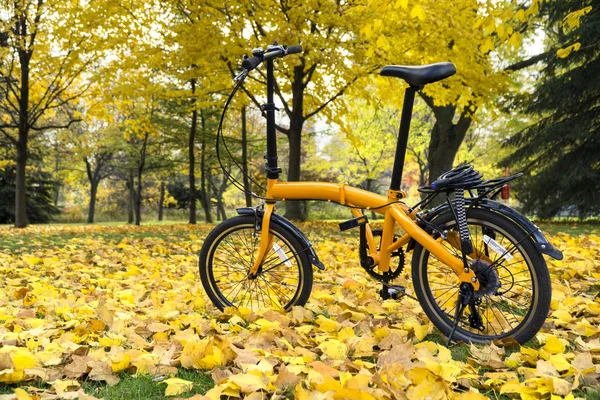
515,290
284,279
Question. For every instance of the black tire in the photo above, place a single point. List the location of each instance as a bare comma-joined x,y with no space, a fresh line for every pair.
285,279
500,306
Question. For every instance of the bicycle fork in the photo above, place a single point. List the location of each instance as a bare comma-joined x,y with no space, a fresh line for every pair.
266,240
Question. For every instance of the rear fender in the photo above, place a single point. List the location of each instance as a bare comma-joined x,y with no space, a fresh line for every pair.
291,228
540,241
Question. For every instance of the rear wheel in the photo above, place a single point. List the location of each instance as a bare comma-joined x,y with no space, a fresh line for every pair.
515,291
284,279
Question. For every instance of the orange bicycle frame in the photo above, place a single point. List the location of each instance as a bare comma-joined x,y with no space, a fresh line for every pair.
393,212
349,196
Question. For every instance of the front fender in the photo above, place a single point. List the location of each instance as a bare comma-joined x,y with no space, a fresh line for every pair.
291,228
542,244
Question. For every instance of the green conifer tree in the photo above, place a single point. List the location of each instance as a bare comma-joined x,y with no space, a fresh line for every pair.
560,152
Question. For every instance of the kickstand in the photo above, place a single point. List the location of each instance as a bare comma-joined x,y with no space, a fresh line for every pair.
464,298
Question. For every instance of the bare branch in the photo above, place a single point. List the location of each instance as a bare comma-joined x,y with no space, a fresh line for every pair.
56,93
309,75
36,22
286,107
63,126
9,137
338,94
530,61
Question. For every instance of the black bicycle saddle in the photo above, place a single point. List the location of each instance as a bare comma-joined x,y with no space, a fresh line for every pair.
419,75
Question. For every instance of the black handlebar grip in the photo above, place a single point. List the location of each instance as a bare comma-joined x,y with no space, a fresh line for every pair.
294,49
250,63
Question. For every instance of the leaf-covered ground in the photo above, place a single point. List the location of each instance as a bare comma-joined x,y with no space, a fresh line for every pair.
119,312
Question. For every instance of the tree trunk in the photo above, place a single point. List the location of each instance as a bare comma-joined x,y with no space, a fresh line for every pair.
22,156
369,188
140,171
446,138
247,186
220,205
56,168
161,201
92,206
205,195
21,187
192,160
131,200
295,210
221,214
221,209
137,204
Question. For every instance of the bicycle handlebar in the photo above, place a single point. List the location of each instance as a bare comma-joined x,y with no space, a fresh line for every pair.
272,52
294,49
250,63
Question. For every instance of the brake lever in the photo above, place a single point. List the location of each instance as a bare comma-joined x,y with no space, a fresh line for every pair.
241,76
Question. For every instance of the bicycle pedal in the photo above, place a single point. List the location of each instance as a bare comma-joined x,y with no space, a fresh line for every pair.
393,292
353,223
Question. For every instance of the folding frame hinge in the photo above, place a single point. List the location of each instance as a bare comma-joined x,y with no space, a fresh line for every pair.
396,194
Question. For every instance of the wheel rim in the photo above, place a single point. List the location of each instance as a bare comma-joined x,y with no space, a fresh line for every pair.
503,314
278,282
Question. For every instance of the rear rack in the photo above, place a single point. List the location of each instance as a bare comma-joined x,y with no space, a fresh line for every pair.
467,178
493,185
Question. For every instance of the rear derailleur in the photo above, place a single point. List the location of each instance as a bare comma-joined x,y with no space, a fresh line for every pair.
467,298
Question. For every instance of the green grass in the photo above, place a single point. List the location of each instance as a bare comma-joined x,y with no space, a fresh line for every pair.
495,395
588,393
130,387
459,351
6,388
29,241
572,228
146,387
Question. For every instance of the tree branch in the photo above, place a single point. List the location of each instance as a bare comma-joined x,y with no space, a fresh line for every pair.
530,61
9,137
309,75
64,126
338,94
36,23
286,107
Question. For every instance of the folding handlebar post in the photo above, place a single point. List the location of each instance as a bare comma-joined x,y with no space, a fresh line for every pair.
407,107
273,170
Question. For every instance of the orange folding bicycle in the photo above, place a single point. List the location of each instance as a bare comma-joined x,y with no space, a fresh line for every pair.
477,265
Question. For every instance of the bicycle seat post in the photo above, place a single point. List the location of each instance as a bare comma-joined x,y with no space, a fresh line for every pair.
407,107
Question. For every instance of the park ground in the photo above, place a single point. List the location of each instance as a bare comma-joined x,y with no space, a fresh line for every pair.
114,311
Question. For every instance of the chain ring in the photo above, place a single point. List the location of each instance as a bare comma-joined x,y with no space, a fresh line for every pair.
390,275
